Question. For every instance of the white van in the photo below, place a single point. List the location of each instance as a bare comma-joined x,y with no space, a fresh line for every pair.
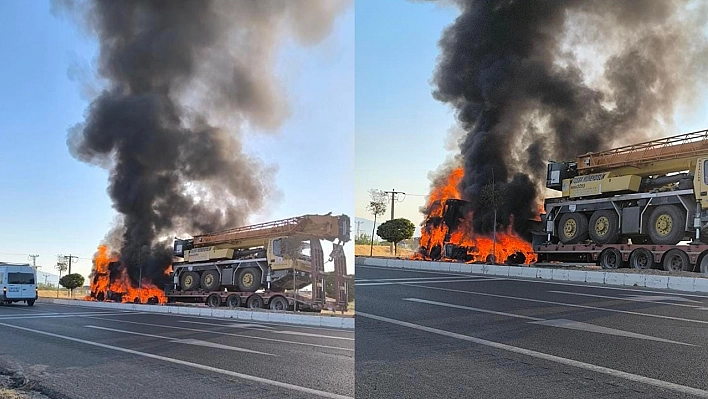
18,283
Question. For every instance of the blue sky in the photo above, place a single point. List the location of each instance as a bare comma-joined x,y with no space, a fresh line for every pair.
54,204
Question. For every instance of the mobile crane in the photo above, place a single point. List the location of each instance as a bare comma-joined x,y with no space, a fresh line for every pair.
633,204
254,265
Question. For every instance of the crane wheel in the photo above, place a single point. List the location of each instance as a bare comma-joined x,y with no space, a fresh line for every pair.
641,258
233,301
704,264
210,280
604,227
278,303
666,225
573,228
189,281
213,301
676,260
249,279
255,301
611,258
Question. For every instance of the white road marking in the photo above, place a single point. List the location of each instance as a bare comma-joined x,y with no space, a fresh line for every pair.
563,323
450,305
564,304
647,298
189,364
59,315
429,282
383,280
577,325
544,356
269,330
662,298
225,333
184,341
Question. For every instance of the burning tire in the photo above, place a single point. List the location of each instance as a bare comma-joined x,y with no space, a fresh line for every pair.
641,258
213,301
255,301
573,228
210,280
676,260
249,279
278,303
666,225
233,301
604,227
611,258
189,281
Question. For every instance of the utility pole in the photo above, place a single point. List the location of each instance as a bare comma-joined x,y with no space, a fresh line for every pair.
34,261
70,257
358,224
393,201
494,204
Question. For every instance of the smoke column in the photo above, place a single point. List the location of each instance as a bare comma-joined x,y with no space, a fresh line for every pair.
182,79
537,80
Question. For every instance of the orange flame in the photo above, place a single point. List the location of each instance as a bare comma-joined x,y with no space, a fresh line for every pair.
102,287
479,246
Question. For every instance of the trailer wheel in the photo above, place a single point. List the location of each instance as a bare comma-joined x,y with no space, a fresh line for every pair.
210,280
189,281
278,303
213,301
611,258
704,264
604,227
255,301
641,258
676,260
249,279
666,225
572,228
233,301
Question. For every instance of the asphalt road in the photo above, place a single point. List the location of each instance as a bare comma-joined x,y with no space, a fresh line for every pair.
74,352
439,335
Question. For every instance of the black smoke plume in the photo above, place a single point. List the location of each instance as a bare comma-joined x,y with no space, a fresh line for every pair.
537,80
182,79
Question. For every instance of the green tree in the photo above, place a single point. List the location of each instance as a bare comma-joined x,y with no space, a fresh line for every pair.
396,230
71,281
377,206
362,239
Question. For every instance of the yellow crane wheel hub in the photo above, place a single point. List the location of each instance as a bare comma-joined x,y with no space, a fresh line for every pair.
602,226
247,279
664,223
188,280
570,228
208,279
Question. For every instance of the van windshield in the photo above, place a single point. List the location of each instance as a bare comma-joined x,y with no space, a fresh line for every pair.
20,278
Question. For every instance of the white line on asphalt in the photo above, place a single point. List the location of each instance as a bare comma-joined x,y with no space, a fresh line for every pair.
237,325
562,323
430,282
189,364
234,325
644,299
562,304
184,341
382,280
450,305
59,315
544,356
224,333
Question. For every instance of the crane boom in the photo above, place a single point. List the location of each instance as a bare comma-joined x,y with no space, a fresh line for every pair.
665,155
326,227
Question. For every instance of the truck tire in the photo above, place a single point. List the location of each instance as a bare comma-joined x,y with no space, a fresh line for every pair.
704,264
611,258
676,260
249,279
278,303
233,301
189,281
604,227
573,228
30,302
210,280
666,225
255,301
641,258
213,301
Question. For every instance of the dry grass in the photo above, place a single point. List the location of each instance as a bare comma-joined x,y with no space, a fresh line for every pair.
380,250
63,294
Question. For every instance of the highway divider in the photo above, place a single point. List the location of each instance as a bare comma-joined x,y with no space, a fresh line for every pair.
237,314
689,284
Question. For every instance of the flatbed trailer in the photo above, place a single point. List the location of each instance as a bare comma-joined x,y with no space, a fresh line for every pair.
254,300
681,257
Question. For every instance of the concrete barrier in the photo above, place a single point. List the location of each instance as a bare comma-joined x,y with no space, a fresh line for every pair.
689,284
249,315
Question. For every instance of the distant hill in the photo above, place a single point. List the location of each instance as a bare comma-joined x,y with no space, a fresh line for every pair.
367,225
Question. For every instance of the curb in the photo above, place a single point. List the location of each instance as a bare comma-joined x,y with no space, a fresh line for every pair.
688,284
297,319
